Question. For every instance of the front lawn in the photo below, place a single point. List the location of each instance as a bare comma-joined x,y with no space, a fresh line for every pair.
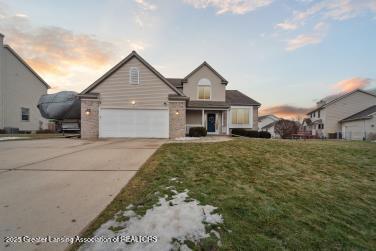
272,194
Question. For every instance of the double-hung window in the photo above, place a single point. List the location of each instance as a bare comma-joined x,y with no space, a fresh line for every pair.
25,114
204,89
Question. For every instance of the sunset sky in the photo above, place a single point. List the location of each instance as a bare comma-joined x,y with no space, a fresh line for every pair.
285,54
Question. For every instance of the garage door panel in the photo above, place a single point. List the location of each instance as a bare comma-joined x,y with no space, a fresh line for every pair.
133,123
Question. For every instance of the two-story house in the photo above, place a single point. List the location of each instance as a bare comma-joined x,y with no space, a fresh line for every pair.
134,100
326,119
20,90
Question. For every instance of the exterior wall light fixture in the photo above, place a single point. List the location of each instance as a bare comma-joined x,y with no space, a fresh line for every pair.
87,112
177,112
133,102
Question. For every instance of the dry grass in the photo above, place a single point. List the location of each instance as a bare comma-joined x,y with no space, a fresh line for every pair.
272,194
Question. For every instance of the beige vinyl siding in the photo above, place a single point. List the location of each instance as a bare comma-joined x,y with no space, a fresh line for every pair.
194,117
116,91
22,89
218,89
344,108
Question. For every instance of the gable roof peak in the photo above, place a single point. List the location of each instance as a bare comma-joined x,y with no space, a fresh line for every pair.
337,97
223,80
20,59
123,62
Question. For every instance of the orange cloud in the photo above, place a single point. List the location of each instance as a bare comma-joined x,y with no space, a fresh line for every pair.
286,111
65,59
60,46
348,85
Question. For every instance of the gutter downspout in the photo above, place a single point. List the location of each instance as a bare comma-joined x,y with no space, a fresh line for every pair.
364,130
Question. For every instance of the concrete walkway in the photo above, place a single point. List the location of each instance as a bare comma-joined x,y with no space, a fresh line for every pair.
56,187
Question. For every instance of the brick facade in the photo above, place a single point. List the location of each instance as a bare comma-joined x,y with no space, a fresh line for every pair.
255,118
89,122
177,119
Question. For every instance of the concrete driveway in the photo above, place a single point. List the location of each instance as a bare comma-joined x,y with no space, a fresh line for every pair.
55,187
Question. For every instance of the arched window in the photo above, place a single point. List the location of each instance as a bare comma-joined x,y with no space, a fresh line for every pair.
204,81
204,89
134,76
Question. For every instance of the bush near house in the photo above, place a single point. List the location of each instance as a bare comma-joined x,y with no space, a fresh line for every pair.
245,132
265,135
197,132
251,133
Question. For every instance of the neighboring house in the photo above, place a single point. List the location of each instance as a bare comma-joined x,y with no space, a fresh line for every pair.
134,100
20,90
360,126
271,129
325,119
267,122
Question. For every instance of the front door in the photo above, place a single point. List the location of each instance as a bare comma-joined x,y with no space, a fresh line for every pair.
211,122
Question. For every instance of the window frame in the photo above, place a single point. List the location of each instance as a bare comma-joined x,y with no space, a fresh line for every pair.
204,83
22,114
198,92
237,119
131,70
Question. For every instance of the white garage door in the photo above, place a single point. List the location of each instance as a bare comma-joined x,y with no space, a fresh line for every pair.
115,123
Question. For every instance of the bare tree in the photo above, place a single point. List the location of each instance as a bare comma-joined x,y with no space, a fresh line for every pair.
285,128
299,118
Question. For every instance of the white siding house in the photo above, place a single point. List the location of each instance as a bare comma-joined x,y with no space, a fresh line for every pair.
20,90
360,126
266,123
326,118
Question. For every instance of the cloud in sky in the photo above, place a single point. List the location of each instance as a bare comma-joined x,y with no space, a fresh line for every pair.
65,59
286,111
323,12
58,54
301,40
146,5
348,85
230,6
286,25
142,16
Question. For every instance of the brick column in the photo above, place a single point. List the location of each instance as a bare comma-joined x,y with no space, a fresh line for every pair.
89,118
177,117
255,118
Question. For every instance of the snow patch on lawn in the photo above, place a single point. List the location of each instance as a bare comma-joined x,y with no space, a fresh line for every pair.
171,221
187,138
12,138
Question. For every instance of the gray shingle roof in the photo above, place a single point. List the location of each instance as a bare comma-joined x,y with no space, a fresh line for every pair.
235,97
269,125
334,98
208,104
124,61
223,80
177,82
365,114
